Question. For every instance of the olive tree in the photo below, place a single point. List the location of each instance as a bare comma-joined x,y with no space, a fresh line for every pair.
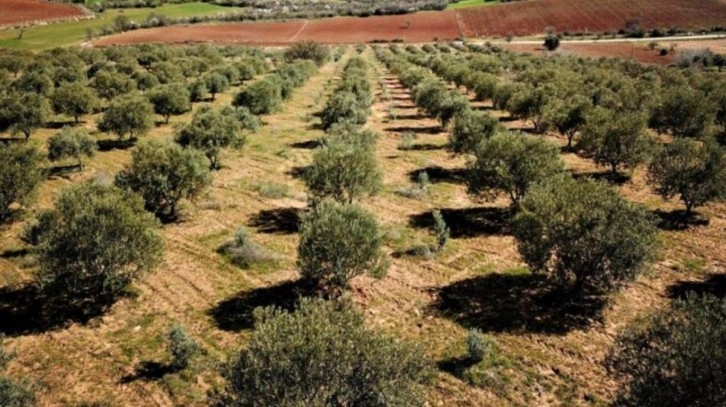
471,128
23,113
169,100
337,243
94,242
511,163
163,174
675,358
684,112
261,97
566,116
20,174
110,85
343,106
130,115
615,138
210,131
215,83
323,355
313,51
583,234
71,143
74,99
343,170
691,170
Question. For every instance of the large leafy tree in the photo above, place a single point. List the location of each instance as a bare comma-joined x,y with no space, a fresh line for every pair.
74,99
130,115
94,242
163,174
210,131
684,112
323,355
692,170
71,143
20,174
675,358
337,243
23,113
510,163
566,116
583,234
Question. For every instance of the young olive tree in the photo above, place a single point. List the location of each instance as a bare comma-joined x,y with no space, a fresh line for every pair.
511,163
130,115
71,143
94,242
684,112
261,97
20,175
343,106
215,83
337,243
566,116
169,100
163,174
310,50
692,170
676,358
584,234
615,138
74,99
23,113
210,131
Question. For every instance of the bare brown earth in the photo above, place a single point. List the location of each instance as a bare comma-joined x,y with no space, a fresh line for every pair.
14,12
518,18
478,281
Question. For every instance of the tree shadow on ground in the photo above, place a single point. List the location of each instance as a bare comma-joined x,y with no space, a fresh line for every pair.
414,116
14,253
236,313
439,174
149,370
515,303
30,310
55,125
679,220
456,366
714,284
12,140
414,129
61,170
425,147
468,222
306,145
277,221
297,172
612,178
115,144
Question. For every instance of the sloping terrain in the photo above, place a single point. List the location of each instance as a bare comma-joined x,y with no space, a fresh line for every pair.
15,12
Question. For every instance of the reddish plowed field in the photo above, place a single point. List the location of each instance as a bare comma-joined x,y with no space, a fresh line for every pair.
28,11
624,50
532,17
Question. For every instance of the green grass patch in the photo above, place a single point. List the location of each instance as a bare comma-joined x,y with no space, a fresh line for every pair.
72,32
471,3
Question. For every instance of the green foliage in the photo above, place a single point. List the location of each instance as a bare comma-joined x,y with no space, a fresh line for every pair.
34,82
23,113
163,174
691,170
261,97
110,85
676,358
210,131
172,99
94,243
441,230
684,112
584,234
215,83
510,163
181,347
344,169
337,243
71,143
567,116
310,50
552,42
74,99
20,175
12,393
478,345
343,106
130,115
471,128
244,252
323,355
615,138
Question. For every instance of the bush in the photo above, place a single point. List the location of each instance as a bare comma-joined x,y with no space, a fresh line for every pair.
343,106
181,347
71,143
676,358
441,230
94,243
694,171
510,163
128,115
163,174
322,354
20,175
308,50
584,234
478,345
337,243
244,252
261,97
210,131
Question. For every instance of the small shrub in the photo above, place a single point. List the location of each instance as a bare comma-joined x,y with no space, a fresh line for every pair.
478,345
181,347
244,252
441,231
407,141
